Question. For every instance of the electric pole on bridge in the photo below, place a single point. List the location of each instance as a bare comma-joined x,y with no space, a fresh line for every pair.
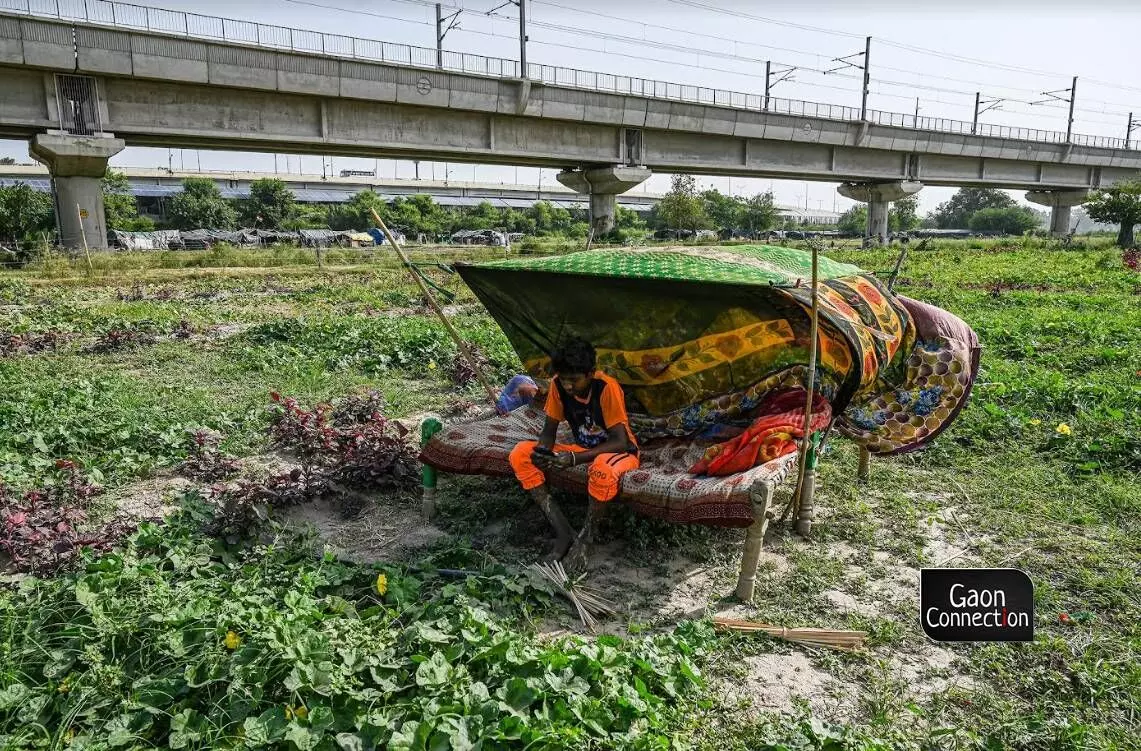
784,74
523,38
522,4
1132,126
865,67
1055,96
981,106
453,22
867,78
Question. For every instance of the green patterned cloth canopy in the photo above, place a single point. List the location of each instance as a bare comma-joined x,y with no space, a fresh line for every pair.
742,264
697,335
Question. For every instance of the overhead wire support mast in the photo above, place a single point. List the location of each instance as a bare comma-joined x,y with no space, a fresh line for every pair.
982,106
453,22
522,4
866,68
1054,96
784,74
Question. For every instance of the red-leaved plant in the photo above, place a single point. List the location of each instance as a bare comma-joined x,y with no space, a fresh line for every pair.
30,343
205,461
122,337
239,508
351,442
43,530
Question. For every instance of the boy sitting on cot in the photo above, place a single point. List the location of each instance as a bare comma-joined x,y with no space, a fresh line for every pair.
593,405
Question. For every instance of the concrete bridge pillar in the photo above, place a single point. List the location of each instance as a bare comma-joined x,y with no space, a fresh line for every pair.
603,184
877,196
1061,202
77,165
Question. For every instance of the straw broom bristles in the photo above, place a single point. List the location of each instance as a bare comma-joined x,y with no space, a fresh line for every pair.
587,601
847,641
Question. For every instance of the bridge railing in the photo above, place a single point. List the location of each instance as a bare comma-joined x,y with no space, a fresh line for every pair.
197,26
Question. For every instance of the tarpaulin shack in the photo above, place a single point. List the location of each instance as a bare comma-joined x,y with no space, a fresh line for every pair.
698,338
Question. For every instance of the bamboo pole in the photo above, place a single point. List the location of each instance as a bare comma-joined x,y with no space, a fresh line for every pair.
804,525
435,306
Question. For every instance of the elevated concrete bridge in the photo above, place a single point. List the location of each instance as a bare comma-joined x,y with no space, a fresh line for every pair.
82,91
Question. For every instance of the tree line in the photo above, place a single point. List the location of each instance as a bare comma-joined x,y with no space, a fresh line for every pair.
27,214
271,205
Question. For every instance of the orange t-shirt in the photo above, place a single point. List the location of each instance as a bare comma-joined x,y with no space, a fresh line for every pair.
604,407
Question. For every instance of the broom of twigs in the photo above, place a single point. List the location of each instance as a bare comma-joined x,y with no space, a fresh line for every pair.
586,600
847,641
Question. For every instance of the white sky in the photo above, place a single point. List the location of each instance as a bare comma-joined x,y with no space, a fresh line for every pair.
1035,46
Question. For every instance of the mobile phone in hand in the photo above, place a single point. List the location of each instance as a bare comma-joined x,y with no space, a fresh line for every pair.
544,451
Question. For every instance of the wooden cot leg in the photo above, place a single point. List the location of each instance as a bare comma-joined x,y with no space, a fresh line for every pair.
754,537
865,465
428,428
806,508
807,502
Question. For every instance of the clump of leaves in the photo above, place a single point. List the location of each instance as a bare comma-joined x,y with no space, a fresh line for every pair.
206,462
31,343
241,508
460,369
122,337
350,443
1132,259
184,330
43,530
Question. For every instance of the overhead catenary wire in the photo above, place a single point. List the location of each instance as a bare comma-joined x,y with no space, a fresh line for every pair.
900,45
1081,114
721,39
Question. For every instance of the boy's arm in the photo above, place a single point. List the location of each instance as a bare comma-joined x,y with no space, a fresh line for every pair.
550,429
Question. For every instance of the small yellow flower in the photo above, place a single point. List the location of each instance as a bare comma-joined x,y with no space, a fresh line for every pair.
381,584
1064,429
431,365
288,713
301,712
70,735
65,686
1035,421
232,640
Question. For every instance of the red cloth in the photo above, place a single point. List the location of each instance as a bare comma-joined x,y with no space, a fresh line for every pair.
779,423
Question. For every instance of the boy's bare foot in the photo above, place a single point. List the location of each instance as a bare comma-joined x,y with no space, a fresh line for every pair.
576,559
559,548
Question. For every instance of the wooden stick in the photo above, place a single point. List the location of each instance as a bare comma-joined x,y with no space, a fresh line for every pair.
848,641
802,469
460,343
83,234
899,264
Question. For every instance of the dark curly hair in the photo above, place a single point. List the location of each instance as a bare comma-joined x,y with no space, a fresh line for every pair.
574,356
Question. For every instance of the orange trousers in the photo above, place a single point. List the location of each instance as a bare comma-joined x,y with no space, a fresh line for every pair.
605,471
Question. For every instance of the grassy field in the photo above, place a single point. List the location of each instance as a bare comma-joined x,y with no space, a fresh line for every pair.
282,637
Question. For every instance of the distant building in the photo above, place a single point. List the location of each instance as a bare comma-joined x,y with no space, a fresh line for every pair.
801,217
